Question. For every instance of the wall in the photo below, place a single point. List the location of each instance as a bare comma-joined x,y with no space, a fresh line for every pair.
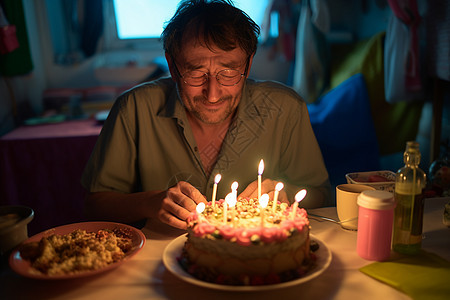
359,18
21,96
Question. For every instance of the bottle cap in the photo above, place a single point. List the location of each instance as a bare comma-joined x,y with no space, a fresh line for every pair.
376,199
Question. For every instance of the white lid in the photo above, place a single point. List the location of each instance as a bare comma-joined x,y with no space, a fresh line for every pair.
376,199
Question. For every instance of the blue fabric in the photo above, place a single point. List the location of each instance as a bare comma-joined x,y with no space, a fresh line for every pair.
342,122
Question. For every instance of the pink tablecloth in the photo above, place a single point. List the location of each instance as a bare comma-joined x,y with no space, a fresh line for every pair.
41,167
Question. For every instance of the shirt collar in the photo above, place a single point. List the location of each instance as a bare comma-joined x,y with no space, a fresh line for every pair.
173,107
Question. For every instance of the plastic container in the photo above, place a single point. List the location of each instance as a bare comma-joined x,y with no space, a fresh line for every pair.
375,221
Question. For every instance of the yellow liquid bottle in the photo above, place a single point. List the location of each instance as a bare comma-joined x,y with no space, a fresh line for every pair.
408,216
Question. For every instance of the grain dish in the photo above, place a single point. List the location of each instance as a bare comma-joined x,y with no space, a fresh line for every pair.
77,251
24,267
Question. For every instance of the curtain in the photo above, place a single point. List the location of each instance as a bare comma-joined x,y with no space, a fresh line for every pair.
92,26
438,39
76,27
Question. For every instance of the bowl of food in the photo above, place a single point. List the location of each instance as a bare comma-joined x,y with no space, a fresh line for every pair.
14,221
380,180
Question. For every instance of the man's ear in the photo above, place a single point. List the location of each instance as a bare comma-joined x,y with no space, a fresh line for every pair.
170,63
250,60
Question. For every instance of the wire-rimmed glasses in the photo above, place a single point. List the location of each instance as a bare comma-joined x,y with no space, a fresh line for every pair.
226,77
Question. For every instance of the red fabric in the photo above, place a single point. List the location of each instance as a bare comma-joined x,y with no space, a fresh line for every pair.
8,39
41,167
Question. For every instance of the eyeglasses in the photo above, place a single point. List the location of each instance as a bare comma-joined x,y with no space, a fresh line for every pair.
226,77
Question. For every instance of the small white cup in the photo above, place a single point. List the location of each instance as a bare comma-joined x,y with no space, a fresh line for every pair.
346,205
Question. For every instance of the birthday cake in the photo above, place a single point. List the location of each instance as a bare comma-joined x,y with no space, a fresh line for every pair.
246,244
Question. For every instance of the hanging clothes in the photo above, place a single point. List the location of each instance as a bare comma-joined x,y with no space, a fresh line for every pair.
282,46
8,36
402,57
17,62
311,73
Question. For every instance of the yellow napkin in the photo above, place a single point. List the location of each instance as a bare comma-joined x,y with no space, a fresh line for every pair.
421,276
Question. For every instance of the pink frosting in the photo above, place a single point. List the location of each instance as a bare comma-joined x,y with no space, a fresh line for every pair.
298,223
243,235
192,218
227,231
287,224
203,228
269,235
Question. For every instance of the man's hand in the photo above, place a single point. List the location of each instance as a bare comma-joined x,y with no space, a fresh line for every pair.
179,202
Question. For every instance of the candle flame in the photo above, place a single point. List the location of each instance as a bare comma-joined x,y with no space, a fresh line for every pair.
230,200
300,195
261,167
234,185
279,186
217,178
200,207
264,200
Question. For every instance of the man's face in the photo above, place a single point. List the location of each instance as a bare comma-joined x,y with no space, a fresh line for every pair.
210,103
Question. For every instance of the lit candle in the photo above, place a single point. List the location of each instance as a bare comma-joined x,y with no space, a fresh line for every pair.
298,197
231,203
278,188
200,208
216,181
234,187
260,171
263,201
225,207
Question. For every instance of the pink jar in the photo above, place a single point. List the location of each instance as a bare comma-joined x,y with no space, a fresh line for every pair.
375,218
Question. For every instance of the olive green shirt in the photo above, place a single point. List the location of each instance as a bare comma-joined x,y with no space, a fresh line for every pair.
147,143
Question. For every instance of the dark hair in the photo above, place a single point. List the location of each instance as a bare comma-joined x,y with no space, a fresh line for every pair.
213,23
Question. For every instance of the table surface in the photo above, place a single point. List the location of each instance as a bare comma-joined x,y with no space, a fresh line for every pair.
145,276
53,130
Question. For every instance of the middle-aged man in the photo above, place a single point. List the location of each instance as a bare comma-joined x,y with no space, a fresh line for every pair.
164,141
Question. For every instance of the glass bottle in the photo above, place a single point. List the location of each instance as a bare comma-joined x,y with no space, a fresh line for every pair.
408,216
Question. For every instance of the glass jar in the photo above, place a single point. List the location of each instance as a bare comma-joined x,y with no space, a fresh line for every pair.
408,216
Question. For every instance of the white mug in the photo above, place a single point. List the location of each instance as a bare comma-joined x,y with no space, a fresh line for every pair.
347,208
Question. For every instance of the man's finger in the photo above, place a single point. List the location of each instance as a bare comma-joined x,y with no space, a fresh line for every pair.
191,192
